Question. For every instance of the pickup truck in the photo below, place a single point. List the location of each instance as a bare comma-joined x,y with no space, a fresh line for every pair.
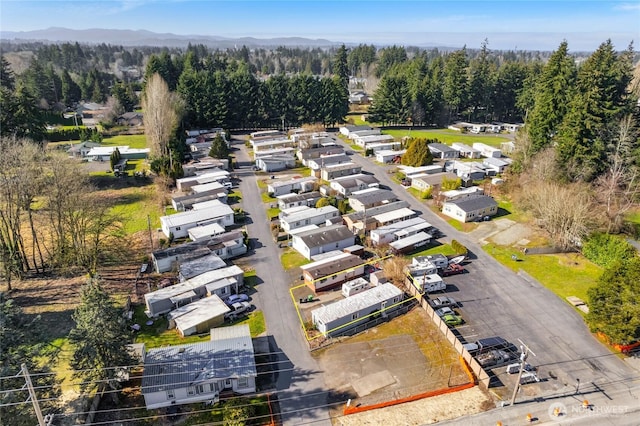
237,309
452,269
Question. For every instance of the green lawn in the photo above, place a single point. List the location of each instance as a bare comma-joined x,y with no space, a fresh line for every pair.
292,259
157,334
447,136
565,274
133,141
267,199
445,249
135,205
273,212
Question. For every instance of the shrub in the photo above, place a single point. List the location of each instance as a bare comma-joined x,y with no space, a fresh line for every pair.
427,193
62,135
458,248
605,249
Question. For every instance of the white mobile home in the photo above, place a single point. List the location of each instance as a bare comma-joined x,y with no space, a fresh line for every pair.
471,209
486,150
179,224
199,316
389,233
388,155
308,199
209,176
410,242
322,240
281,187
353,287
364,141
159,302
198,372
311,216
195,267
185,202
346,185
465,150
340,317
370,197
205,232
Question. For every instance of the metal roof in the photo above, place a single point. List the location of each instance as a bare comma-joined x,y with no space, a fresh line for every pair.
473,203
228,354
195,267
193,216
325,235
199,311
356,303
331,265
193,283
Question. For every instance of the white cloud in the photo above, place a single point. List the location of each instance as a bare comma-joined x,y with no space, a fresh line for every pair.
627,6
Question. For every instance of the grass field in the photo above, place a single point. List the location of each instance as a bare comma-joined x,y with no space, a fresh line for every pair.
447,136
565,274
135,205
133,141
445,249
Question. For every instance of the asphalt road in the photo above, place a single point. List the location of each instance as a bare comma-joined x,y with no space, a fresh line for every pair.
498,302
300,387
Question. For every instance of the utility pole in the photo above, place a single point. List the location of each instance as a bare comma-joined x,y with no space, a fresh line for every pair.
150,234
32,395
524,353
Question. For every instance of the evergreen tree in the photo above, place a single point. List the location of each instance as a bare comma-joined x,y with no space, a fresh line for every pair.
71,92
389,57
600,101
455,81
219,148
418,153
7,79
391,101
20,116
340,67
553,90
613,303
99,338
480,84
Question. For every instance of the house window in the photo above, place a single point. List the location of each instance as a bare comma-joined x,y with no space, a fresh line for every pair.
227,383
354,316
191,391
171,394
177,228
224,290
200,389
243,382
212,387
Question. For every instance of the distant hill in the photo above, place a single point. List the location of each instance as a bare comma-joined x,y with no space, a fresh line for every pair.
148,38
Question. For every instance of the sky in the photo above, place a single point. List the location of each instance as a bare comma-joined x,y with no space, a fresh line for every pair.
531,25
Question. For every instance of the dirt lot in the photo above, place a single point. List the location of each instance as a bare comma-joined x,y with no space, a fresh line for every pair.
401,358
425,411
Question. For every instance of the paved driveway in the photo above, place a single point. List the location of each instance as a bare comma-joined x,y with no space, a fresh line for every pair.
498,302
300,386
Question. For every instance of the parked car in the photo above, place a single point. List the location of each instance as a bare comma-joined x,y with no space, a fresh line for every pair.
515,367
442,302
472,348
235,298
237,309
529,377
493,358
492,343
452,320
445,311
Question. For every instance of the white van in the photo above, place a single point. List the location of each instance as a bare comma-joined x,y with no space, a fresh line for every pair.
514,368
528,377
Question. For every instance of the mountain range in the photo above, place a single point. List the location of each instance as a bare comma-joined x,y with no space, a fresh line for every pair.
148,38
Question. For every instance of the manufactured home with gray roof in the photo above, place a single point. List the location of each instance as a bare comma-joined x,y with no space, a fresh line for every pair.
198,372
339,317
322,240
471,208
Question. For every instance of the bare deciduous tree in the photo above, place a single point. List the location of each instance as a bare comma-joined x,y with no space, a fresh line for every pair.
618,189
566,212
394,269
162,110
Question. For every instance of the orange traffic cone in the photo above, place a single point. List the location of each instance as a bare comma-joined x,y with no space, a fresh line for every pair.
498,423
585,404
529,418
556,411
